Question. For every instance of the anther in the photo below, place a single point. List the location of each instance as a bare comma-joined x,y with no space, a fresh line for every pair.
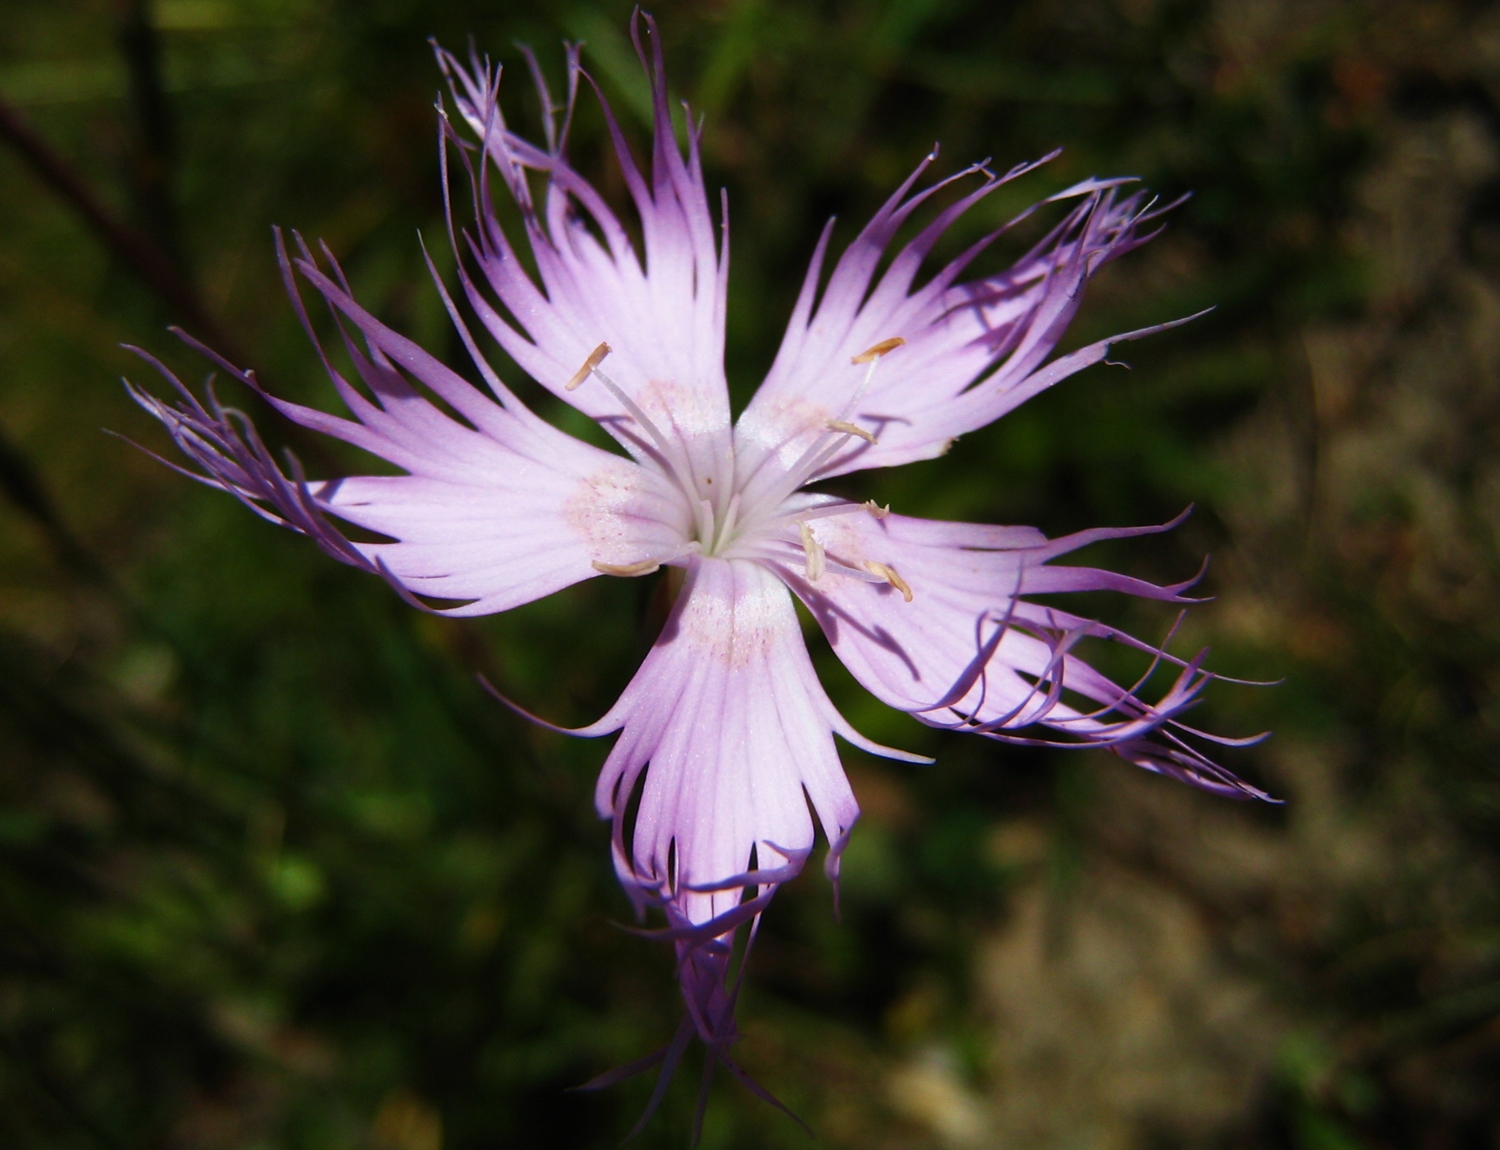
851,429
875,509
890,576
596,357
627,570
884,347
813,550
672,458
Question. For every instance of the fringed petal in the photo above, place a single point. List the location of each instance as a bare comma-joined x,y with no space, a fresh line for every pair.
497,508
726,735
957,355
969,651
663,318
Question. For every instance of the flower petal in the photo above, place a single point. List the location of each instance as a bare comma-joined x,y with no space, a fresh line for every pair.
663,321
968,651
498,508
726,735
968,353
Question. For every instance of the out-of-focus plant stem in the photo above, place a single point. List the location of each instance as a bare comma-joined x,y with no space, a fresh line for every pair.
153,149
23,486
146,258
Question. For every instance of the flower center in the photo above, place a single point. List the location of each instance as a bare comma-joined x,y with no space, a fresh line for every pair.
765,529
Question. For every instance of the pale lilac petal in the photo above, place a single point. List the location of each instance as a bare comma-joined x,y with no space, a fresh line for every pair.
496,510
663,318
726,736
972,351
970,651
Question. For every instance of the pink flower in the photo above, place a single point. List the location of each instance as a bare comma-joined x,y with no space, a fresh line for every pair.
725,733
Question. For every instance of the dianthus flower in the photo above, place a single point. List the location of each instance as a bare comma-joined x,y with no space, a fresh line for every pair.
725,733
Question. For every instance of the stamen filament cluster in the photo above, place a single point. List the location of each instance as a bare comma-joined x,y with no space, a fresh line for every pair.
717,534
819,453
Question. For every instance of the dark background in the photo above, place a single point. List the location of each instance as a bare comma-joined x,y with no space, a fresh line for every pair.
274,872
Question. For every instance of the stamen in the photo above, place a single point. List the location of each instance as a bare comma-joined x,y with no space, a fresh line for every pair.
706,523
825,511
649,564
681,472
875,509
727,525
851,429
814,552
627,570
596,357
884,347
591,367
872,357
890,576
818,453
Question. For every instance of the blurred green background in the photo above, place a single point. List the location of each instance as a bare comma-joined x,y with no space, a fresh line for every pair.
274,872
